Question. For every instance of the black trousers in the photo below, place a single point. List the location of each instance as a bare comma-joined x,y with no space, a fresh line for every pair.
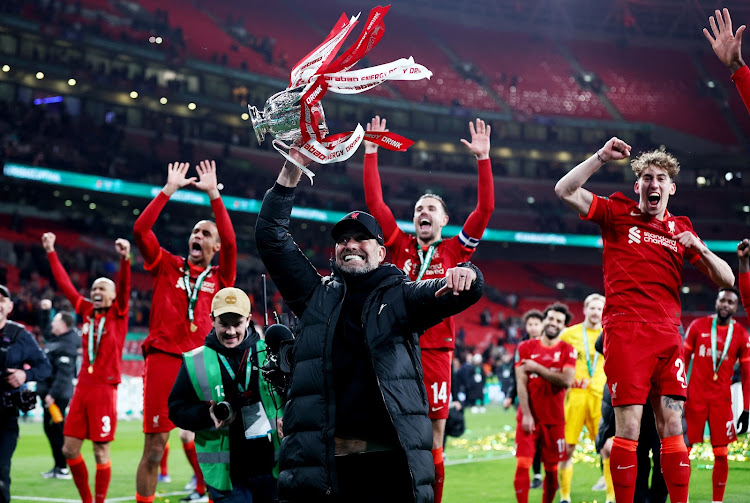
648,443
373,477
55,435
8,442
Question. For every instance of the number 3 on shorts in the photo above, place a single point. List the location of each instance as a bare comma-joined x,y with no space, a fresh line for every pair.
106,426
680,371
439,392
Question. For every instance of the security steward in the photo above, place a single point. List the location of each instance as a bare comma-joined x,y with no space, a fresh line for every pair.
220,395
62,343
17,348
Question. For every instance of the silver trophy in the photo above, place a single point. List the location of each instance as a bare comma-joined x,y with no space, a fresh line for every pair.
280,116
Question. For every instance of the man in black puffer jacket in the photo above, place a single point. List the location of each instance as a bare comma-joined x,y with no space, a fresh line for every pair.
355,424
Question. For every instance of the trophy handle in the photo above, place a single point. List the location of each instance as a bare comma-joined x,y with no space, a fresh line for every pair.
258,122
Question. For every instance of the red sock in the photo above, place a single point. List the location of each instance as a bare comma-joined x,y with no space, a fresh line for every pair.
623,464
550,483
144,499
437,487
675,466
192,456
163,465
721,472
103,476
80,477
521,480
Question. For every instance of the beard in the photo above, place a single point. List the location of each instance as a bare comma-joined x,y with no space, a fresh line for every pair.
552,333
356,267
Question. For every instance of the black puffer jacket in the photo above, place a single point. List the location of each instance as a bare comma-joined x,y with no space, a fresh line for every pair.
393,316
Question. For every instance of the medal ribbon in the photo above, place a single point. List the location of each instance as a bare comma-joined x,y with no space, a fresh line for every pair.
92,344
192,293
425,260
726,345
591,367
248,368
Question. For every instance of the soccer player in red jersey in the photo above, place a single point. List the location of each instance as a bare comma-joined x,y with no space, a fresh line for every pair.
180,310
644,250
426,255
716,343
93,408
545,368
728,48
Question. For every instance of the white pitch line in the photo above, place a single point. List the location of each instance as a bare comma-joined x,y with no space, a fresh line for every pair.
477,460
63,500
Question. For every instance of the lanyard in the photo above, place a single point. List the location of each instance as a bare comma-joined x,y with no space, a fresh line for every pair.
592,368
425,260
231,373
92,344
726,346
192,293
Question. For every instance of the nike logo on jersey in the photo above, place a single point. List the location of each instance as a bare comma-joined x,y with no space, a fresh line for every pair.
683,464
534,355
435,409
635,213
625,467
381,308
705,335
103,434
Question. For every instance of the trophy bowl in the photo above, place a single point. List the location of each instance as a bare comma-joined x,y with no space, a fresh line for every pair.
281,116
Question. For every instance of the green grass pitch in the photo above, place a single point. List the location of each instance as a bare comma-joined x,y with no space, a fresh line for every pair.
479,469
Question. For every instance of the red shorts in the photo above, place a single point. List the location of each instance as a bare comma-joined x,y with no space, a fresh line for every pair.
643,359
551,439
93,413
436,364
720,419
159,375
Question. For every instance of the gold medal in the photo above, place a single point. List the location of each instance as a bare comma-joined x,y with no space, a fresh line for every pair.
716,376
193,327
91,369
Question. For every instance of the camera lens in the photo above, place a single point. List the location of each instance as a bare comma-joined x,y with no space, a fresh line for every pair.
223,411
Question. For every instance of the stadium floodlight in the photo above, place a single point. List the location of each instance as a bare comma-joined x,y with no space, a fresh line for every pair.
159,40
92,206
560,285
701,181
72,82
136,212
163,100
746,208
68,203
728,176
686,289
39,75
711,84
530,200
192,106
134,94
6,68
245,116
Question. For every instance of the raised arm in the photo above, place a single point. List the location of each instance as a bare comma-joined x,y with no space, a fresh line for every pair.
145,239
726,45
61,276
570,187
122,299
709,263
373,186
228,250
290,269
480,217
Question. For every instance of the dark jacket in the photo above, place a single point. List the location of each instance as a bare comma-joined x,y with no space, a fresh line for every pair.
18,346
394,315
62,352
248,457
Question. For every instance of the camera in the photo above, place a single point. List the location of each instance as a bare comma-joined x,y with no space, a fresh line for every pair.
22,400
223,411
280,353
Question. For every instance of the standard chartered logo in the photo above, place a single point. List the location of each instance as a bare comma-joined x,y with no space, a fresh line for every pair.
634,235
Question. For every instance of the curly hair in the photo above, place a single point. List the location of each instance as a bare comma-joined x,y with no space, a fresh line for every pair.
659,158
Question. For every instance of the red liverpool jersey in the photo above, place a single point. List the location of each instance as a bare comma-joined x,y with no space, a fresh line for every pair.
546,400
449,253
642,262
169,326
108,353
698,343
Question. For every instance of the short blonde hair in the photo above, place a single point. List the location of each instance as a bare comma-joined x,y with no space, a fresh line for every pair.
591,298
659,158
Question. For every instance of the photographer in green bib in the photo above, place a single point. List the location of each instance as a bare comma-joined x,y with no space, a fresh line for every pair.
220,395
